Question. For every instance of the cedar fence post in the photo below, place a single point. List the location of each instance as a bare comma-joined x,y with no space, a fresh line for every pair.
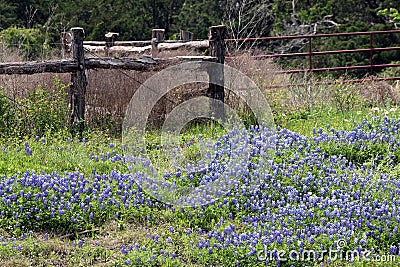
65,44
110,40
186,36
157,36
78,83
216,38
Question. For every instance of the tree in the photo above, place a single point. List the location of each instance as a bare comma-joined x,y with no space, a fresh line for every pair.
26,41
392,15
247,18
8,16
197,16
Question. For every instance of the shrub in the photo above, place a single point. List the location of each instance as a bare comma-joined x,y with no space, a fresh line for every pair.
28,42
5,115
345,96
43,110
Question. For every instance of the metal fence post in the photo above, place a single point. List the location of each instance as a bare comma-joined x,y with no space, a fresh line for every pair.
310,58
371,48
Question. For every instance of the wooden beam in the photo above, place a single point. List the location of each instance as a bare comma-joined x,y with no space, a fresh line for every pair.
110,40
197,58
186,36
69,65
216,89
119,63
78,83
56,66
119,43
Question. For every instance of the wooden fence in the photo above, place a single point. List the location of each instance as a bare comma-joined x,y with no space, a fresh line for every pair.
78,65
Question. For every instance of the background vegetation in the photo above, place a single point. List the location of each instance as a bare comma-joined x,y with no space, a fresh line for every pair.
34,26
134,19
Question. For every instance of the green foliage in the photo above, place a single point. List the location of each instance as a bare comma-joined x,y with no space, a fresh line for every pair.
27,42
46,110
346,96
43,110
6,115
105,123
208,13
141,224
7,14
390,72
392,13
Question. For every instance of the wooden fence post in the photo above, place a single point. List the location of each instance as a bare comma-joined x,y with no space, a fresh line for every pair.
157,36
78,83
65,45
110,39
216,40
186,36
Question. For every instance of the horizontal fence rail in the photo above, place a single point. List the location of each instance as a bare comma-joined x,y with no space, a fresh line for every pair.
69,65
65,65
311,36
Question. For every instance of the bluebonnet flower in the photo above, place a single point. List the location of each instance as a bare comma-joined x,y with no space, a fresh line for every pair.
28,150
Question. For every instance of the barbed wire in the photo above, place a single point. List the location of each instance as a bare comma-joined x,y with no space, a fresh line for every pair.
132,78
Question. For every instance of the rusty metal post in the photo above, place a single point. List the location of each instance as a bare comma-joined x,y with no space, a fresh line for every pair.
371,48
310,58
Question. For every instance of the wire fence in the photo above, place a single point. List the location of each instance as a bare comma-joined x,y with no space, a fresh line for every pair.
20,52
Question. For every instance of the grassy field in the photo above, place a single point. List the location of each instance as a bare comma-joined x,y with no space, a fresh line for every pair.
333,184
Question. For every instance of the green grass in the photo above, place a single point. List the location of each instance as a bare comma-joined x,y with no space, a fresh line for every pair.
56,153
320,118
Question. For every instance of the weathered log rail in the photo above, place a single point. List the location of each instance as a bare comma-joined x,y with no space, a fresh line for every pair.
56,66
157,44
69,65
153,49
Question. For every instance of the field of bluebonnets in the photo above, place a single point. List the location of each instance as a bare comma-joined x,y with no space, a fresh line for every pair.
331,197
